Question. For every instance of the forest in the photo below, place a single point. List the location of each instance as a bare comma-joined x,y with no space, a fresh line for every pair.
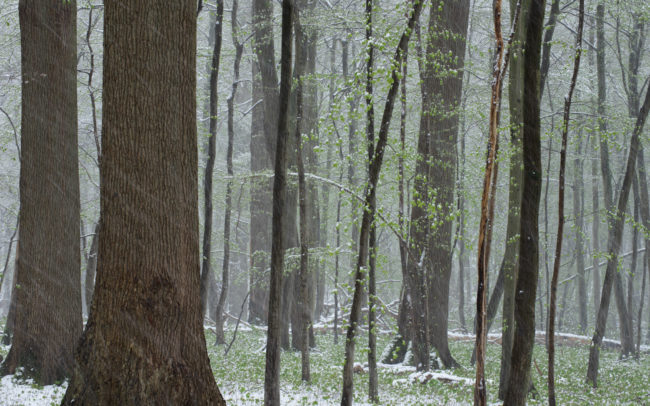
315,202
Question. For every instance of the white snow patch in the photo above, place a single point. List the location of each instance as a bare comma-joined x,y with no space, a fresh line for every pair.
14,391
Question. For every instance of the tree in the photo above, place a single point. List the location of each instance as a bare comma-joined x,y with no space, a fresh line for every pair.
207,277
441,94
225,274
144,341
515,103
524,337
560,225
613,245
47,286
370,195
263,134
272,371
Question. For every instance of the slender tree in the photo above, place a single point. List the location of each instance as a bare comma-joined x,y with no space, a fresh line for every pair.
225,275
613,245
272,371
207,277
370,193
522,349
560,224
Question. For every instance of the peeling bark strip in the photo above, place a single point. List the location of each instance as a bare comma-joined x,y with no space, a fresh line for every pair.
560,224
370,193
488,199
614,243
144,342
46,298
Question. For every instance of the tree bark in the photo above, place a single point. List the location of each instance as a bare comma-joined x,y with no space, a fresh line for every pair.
207,276
373,390
91,267
148,346
560,225
47,284
225,274
447,30
578,212
303,308
263,134
272,371
515,102
524,335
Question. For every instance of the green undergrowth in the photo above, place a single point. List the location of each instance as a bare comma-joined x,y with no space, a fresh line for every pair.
240,375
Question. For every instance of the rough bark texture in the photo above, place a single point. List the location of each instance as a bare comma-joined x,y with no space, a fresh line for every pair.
263,134
441,96
144,342
272,371
522,350
47,318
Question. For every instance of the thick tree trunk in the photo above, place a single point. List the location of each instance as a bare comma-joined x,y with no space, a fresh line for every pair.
447,30
47,318
524,337
147,347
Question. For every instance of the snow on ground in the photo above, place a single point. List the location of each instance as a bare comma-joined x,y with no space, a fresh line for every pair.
17,392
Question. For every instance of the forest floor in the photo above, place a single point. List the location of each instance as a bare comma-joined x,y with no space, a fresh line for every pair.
240,376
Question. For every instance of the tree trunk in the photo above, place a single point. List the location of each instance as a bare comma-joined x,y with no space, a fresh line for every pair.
524,313
303,309
272,371
225,275
91,267
578,212
148,346
515,98
373,391
447,30
560,225
47,318
207,276
613,246
263,134
370,193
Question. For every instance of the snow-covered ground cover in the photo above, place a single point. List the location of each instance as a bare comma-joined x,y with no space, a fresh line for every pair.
240,376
